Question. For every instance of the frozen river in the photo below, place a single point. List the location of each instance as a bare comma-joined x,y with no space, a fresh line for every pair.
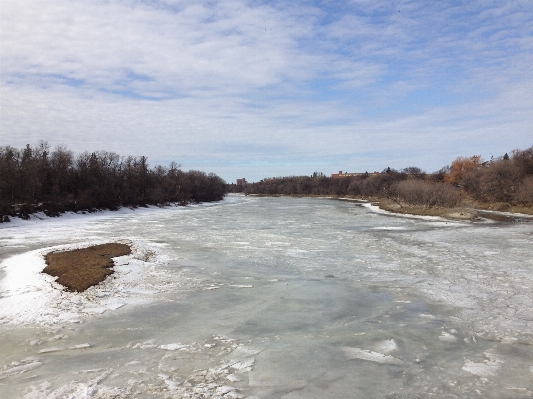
271,298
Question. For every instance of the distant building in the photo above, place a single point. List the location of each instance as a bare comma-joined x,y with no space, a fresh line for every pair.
241,182
341,175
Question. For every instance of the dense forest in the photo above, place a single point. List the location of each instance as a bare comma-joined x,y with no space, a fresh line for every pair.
36,179
508,179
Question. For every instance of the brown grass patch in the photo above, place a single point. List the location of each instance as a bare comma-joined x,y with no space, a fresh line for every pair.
448,213
80,269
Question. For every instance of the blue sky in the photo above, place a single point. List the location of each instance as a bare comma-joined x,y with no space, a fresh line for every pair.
263,88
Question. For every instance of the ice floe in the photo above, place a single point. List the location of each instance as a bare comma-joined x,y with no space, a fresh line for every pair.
482,369
488,367
75,390
233,378
21,367
448,337
362,354
387,346
176,347
58,349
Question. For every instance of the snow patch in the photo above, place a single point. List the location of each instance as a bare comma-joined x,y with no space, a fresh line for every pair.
18,368
447,337
387,346
483,369
362,354
28,296
175,347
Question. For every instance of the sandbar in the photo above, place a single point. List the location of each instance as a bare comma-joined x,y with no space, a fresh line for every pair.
79,269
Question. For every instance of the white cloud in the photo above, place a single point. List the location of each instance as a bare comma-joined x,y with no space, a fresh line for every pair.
279,87
108,45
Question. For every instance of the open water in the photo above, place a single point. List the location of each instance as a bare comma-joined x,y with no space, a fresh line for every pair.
278,298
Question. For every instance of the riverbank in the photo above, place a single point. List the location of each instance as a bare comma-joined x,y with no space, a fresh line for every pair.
459,213
468,210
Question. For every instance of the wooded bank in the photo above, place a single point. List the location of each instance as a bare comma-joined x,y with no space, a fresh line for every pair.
506,181
36,179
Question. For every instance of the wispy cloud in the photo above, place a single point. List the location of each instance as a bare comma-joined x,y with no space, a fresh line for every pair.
252,88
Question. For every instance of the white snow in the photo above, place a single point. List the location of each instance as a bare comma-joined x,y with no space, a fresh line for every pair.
94,310
362,354
29,296
377,209
391,228
245,364
52,349
387,346
448,337
233,378
175,347
482,369
28,364
80,346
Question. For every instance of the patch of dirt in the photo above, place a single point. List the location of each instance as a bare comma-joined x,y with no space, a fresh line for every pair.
80,269
449,213
469,210
505,207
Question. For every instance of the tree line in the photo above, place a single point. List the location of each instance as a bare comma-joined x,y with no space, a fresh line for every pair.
507,179
37,178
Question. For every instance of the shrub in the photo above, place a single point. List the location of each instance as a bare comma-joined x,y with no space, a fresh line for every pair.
427,194
460,167
499,181
525,191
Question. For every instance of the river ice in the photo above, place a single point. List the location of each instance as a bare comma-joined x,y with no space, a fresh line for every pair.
271,298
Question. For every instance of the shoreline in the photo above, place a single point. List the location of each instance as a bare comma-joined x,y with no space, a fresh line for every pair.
470,211
38,217
459,213
40,214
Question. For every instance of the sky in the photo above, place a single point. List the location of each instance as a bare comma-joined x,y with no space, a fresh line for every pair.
259,89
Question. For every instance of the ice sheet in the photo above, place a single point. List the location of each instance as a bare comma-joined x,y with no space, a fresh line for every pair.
272,297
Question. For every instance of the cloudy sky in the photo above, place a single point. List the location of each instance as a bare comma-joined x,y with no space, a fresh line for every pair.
265,88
